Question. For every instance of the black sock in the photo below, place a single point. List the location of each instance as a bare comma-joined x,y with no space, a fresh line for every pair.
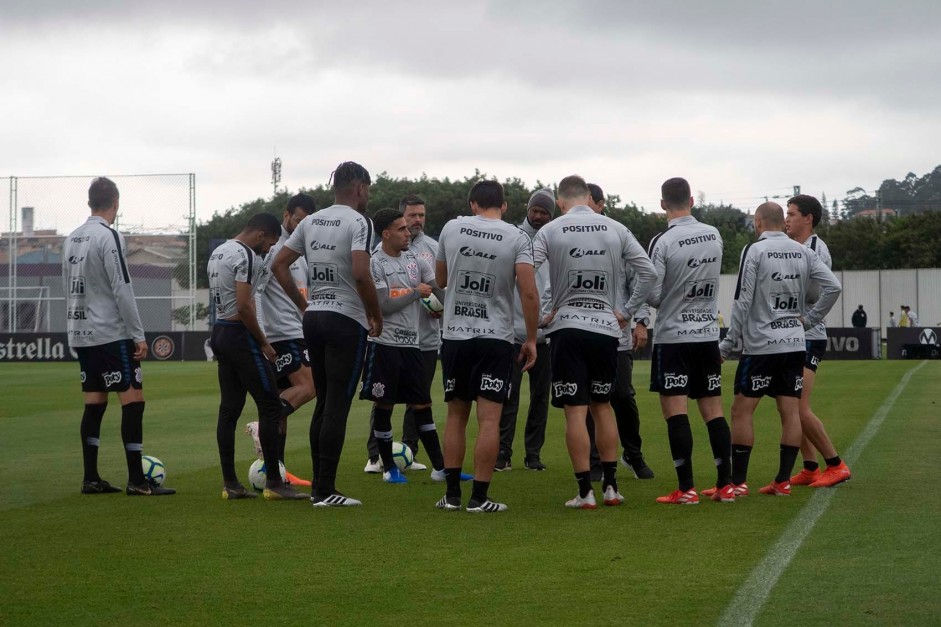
452,477
584,483
788,457
740,455
132,433
721,440
282,444
382,431
90,432
479,491
833,461
681,448
609,476
270,444
425,423
811,466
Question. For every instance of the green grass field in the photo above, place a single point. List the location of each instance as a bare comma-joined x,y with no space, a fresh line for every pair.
874,556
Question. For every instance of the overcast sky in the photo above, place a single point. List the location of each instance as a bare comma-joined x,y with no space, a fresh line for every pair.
742,98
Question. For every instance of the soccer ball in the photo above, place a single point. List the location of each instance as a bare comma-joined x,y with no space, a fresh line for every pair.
154,471
432,304
257,474
402,455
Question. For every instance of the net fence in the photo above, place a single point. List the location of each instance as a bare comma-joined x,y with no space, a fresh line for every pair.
157,215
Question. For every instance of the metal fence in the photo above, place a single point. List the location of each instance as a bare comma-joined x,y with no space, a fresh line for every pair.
157,216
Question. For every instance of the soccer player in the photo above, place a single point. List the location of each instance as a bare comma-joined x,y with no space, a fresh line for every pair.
343,310
105,330
623,402
538,213
282,324
429,331
395,370
479,259
686,362
769,316
803,215
245,356
586,253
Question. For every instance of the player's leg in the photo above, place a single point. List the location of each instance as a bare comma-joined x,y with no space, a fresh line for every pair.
96,402
232,401
345,348
455,445
743,439
258,377
410,432
508,418
300,379
413,389
627,416
669,377
787,386
315,337
537,418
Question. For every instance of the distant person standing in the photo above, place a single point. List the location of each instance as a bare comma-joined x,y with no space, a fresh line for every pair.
859,318
538,213
587,253
803,215
343,309
904,320
768,316
105,330
912,316
480,258
892,321
245,356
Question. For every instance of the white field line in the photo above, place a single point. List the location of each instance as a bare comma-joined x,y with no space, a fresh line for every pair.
751,596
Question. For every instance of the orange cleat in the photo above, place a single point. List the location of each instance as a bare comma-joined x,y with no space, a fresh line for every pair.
833,475
805,477
295,480
678,497
777,489
737,490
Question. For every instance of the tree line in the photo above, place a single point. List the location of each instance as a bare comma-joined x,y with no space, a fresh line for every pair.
907,241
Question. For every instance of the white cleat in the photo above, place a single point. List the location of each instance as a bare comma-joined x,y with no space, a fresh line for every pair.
417,466
579,502
334,500
373,467
612,496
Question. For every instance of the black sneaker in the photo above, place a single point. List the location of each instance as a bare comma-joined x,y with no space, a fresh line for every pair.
285,492
639,467
148,489
503,463
533,463
99,487
238,491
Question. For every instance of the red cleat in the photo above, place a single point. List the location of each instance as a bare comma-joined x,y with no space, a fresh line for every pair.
805,477
833,475
678,497
777,489
737,490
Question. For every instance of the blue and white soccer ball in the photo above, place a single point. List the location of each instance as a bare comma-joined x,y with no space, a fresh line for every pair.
154,471
402,455
258,473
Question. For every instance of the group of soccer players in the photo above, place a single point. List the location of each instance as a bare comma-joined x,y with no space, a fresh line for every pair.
556,299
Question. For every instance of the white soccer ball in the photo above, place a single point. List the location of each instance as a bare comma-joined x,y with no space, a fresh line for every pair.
154,470
402,455
257,474
432,304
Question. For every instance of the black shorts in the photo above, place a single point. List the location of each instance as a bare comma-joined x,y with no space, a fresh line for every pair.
692,369
109,367
292,354
814,354
780,374
477,367
584,367
394,374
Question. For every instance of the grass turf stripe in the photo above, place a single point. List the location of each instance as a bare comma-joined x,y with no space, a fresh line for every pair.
751,595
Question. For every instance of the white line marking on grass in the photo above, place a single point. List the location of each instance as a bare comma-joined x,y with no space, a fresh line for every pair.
751,596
